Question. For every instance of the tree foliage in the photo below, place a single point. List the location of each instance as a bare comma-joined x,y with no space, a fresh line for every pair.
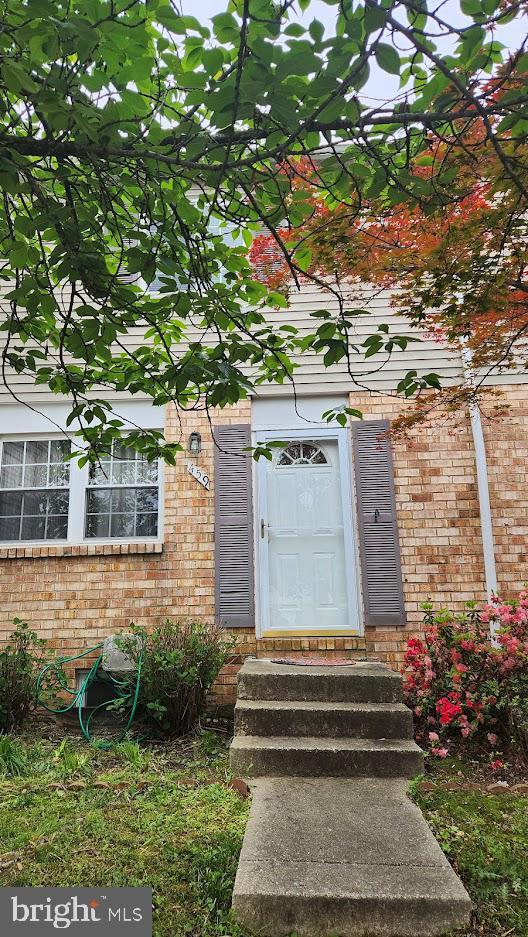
456,268
132,135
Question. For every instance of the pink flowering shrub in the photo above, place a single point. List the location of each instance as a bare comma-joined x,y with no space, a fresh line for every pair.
465,688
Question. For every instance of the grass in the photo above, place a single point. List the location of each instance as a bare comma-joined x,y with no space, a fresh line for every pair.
71,814
486,839
132,816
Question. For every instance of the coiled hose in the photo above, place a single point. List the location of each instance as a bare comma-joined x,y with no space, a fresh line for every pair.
125,692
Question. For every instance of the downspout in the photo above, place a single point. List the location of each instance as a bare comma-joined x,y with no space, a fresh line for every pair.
486,523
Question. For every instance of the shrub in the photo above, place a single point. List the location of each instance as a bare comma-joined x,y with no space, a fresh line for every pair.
20,661
180,662
466,688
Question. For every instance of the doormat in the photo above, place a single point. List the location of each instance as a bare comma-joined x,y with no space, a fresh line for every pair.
314,661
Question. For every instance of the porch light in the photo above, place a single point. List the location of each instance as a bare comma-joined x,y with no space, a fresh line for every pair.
195,443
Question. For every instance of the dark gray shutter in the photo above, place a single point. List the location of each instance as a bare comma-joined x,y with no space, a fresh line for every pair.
234,581
378,530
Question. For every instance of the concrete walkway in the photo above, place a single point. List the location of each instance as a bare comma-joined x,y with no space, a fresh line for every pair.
334,847
338,857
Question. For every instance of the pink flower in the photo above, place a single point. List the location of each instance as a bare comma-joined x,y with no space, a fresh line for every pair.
492,738
439,752
495,765
465,731
434,737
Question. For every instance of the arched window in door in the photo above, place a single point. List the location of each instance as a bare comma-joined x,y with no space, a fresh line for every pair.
302,453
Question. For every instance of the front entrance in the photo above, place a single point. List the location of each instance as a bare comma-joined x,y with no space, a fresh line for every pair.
306,552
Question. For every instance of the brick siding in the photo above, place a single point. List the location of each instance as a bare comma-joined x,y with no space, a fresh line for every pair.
76,596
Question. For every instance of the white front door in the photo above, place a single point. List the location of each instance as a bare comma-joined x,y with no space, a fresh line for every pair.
306,553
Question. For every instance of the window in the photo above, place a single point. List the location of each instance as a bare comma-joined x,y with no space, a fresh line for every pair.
302,453
44,498
34,490
122,497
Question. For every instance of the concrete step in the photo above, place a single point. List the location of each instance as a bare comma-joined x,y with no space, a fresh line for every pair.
323,719
362,682
334,857
261,756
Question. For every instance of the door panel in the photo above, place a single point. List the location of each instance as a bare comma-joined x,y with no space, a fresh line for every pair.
305,542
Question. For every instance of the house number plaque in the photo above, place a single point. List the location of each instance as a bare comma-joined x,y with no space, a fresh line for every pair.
197,473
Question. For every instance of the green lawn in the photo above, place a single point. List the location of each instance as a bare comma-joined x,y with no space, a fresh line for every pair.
131,817
486,839
166,817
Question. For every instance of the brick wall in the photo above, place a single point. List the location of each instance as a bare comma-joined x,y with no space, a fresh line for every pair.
506,442
438,520
75,596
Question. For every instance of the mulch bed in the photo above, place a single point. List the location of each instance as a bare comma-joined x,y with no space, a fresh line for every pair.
477,774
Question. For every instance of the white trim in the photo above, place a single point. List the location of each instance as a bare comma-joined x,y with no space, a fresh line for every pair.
486,523
481,464
50,418
276,413
342,436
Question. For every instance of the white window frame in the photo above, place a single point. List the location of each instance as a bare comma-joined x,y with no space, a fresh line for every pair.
79,483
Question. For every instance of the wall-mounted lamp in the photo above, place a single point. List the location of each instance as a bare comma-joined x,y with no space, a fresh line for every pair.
195,443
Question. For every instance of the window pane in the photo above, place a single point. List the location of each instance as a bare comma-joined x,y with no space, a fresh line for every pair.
123,500
35,502
124,473
35,476
98,502
146,525
57,528
147,499
147,471
37,451
33,528
97,525
12,453
59,475
9,528
59,449
122,525
123,453
11,476
58,502
100,473
10,503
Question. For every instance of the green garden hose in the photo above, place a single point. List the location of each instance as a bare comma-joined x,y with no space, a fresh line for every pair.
123,690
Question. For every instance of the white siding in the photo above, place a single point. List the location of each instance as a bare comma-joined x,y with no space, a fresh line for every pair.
377,373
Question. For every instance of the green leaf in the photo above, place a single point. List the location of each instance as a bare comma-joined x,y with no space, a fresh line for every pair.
388,58
226,28
471,7
16,78
303,257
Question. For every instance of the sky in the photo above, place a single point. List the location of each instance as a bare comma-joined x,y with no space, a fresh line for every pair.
380,85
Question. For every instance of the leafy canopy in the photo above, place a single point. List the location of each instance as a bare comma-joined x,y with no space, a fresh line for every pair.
131,134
